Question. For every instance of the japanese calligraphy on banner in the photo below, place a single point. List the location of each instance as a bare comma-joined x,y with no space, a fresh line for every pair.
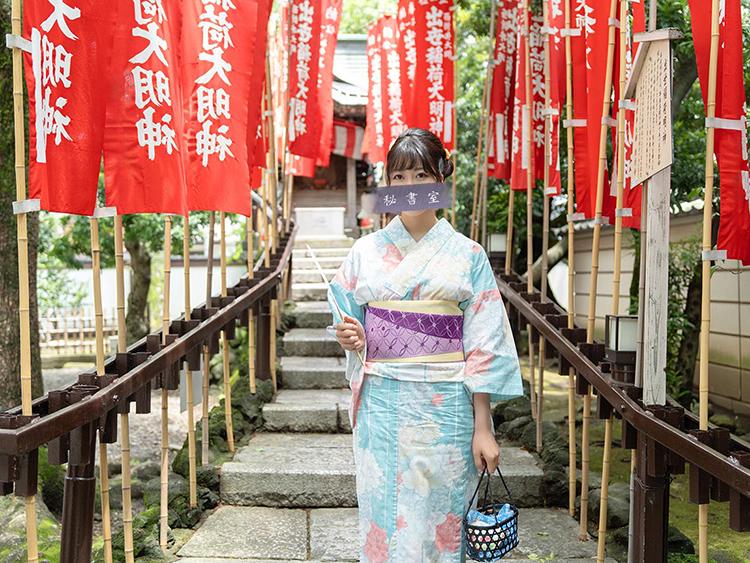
407,55
433,101
329,29
584,181
71,44
219,38
501,98
144,155
536,61
556,16
304,56
375,146
730,140
521,157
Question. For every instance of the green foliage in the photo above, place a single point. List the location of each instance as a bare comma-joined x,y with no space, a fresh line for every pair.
357,15
52,483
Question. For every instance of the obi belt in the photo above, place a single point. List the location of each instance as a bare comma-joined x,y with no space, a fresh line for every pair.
414,331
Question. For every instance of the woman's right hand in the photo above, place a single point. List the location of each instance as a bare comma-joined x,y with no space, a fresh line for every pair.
350,334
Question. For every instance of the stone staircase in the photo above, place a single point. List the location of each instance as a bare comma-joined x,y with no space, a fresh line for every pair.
290,494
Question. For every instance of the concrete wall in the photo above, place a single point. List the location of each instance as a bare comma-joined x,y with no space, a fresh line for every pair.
730,308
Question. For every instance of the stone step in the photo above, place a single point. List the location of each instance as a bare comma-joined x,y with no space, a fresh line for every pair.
313,373
308,410
312,314
335,241
316,291
314,342
312,276
321,252
332,534
326,262
317,470
291,471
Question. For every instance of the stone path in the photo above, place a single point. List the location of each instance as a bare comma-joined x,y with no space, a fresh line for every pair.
290,495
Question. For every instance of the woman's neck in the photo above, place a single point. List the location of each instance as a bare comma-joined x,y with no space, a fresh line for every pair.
418,225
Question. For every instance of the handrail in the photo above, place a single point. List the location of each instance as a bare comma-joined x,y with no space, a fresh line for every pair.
48,427
684,445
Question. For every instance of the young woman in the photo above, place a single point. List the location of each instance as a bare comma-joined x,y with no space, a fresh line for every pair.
421,307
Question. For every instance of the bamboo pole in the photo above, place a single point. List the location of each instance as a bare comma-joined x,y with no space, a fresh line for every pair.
509,232
224,340
571,264
706,266
99,329
206,353
264,222
474,234
164,491
250,315
122,346
483,190
32,550
192,477
620,159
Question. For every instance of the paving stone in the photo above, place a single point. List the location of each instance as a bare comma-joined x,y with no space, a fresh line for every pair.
311,342
312,276
323,242
313,373
551,534
306,410
292,470
242,532
316,291
312,314
334,534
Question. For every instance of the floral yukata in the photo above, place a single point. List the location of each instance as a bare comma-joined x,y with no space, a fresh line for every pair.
413,420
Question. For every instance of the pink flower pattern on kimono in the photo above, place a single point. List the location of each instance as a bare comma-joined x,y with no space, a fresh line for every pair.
376,548
484,299
348,283
478,363
448,533
391,258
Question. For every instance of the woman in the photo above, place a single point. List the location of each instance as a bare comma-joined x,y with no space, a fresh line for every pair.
421,307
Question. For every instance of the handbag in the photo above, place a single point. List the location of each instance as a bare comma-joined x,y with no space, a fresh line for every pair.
493,532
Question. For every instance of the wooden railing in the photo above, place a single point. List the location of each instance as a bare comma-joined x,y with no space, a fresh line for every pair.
665,437
69,420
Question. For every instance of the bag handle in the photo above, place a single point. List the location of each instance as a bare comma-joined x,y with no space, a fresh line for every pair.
486,489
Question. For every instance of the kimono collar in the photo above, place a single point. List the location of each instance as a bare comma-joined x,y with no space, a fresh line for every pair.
405,243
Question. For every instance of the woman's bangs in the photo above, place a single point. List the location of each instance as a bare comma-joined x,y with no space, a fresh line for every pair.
406,156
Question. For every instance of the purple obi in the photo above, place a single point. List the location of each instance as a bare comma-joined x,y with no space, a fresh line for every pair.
434,334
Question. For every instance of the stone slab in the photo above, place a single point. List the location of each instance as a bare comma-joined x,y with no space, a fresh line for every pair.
241,532
323,242
307,410
312,276
316,291
334,534
307,263
312,314
313,342
319,373
551,534
321,252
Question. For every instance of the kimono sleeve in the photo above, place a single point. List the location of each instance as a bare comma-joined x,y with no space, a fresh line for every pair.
341,298
491,358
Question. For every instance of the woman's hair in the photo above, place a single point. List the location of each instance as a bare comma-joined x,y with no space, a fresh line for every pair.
418,148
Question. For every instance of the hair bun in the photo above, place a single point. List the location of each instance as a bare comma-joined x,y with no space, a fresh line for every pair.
446,168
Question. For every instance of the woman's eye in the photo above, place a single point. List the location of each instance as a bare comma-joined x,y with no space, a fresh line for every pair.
422,175
397,177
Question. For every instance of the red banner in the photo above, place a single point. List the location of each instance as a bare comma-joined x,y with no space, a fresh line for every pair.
536,58
407,56
730,140
521,156
556,23
501,98
374,145
328,32
304,56
256,146
218,46
584,181
144,152
433,91
70,52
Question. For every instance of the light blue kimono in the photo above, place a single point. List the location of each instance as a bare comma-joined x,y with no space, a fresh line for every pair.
413,422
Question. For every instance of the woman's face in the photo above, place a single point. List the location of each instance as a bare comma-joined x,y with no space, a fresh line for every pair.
410,177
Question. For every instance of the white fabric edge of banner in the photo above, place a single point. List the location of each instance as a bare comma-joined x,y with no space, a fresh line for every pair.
614,22
723,123
574,123
547,112
624,212
627,104
550,191
17,42
610,121
601,220
570,32
573,217
103,212
26,206
713,255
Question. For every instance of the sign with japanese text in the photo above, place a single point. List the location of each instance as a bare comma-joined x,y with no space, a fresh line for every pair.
144,152
416,197
71,44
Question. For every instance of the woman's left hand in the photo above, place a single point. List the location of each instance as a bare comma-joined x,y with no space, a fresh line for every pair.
485,450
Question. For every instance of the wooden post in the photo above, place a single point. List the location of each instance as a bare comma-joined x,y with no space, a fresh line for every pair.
99,328
474,231
206,353
164,491
595,264
224,341
250,312
509,233
571,264
192,478
122,347
351,193
23,262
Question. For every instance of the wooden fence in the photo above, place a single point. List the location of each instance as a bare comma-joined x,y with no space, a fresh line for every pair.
68,331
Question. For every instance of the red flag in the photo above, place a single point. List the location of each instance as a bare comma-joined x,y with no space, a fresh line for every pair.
300,166
501,100
218,46
70,52
433,99
144,152
375,146
536,58
304,56
328,32
256,146
556,17
521,157
585,183
407,56
730,142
